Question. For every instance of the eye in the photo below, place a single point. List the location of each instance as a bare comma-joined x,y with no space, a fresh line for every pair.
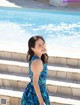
43,43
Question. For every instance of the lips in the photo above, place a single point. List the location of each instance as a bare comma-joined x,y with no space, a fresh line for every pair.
44,50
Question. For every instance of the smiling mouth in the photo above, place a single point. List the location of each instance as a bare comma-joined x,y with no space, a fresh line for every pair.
44,50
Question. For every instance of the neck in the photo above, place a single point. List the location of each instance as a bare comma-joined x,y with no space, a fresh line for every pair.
38,55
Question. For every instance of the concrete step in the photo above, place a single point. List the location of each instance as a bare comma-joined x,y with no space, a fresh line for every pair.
9,55
54,86
14,98
55,71
73,61
64,72
65,60
13,67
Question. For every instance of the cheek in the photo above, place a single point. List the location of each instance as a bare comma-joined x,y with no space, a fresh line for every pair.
37,50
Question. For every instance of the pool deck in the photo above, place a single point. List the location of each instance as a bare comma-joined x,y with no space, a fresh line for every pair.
38,4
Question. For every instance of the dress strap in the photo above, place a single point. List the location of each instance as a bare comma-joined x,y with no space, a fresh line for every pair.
33,58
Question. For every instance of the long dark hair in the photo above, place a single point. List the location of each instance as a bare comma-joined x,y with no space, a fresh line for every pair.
31,44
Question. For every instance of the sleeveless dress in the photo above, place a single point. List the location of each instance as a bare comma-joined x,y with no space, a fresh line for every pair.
29,95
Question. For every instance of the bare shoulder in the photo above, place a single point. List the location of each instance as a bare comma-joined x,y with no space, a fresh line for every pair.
37,65
37,62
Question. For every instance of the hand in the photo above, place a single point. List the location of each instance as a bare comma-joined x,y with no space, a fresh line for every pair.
42,103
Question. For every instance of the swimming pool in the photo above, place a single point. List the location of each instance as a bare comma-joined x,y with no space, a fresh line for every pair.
60,29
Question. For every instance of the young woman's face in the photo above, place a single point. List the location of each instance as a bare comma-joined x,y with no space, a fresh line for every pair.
40,47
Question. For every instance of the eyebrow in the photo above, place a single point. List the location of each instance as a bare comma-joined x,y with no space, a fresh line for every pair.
41,43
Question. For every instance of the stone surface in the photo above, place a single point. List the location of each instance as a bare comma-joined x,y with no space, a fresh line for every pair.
61,74
65,90
14,101
76,92
6,83
52,73
56,60
63,61
52,89
72,62
50,60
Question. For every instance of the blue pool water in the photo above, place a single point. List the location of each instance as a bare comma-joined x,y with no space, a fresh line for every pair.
60,29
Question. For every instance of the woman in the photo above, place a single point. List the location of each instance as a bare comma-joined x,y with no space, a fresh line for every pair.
36,92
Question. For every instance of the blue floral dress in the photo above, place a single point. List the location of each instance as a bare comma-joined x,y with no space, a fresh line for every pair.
29,96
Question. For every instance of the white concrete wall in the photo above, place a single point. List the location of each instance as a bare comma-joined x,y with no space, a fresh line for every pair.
57,3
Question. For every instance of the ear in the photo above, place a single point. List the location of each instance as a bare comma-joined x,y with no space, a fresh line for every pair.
32,49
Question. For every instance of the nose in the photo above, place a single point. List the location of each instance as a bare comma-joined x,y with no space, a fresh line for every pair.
44,46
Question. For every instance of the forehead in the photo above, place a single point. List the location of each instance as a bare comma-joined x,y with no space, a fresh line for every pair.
39,41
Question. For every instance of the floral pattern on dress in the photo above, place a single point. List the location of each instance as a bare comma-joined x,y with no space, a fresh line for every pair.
29,96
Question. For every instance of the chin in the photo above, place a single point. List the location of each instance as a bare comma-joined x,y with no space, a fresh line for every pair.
44,52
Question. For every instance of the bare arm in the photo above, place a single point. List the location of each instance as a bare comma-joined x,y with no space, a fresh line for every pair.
36,68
